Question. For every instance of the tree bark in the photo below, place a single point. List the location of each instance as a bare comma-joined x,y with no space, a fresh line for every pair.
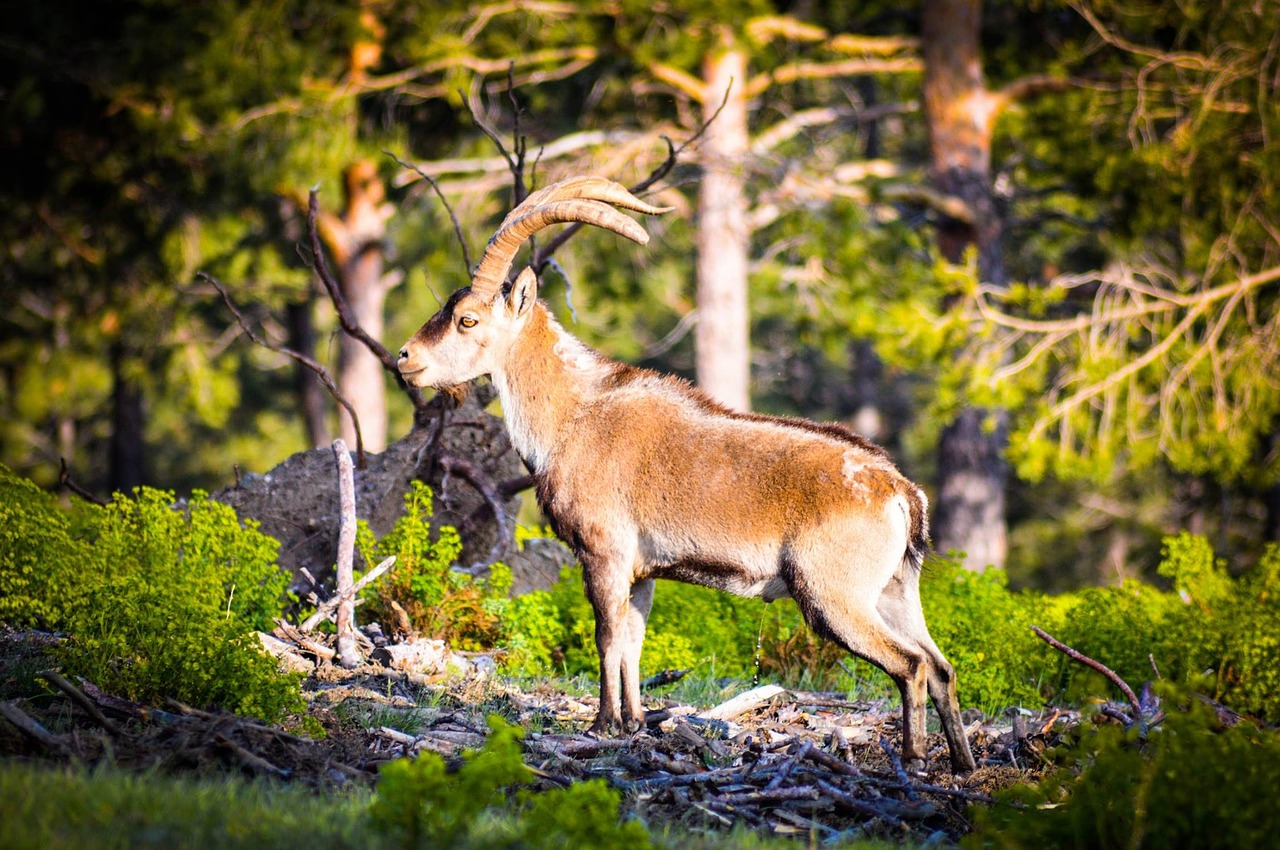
721,339
357,244
128,450
960,113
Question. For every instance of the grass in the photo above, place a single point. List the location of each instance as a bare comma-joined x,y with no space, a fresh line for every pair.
47,808
43,808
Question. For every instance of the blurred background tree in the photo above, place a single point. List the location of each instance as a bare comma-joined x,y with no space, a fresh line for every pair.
1100,284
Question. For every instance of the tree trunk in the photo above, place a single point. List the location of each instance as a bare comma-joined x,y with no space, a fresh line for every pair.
313,399
357,243
127,448
960,112
721,344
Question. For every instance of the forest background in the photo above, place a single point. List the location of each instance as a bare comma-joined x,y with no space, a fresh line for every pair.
1030,247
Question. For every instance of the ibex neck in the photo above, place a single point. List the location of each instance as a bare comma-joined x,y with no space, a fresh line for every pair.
546,376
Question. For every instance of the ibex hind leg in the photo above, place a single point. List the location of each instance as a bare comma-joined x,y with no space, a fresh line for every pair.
900,607
858,627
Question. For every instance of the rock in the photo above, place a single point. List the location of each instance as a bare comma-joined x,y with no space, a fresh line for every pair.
297,501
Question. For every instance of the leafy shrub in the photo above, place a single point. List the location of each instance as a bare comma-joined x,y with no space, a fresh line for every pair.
688,626
984,630
156,602
1191,783
1210,623
429,805
39,551
469,612
440,601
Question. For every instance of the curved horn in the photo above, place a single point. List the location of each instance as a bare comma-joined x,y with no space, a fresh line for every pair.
581,199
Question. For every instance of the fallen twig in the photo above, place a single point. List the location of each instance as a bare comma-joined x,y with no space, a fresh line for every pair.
33,730
326,609
1111,675
78,697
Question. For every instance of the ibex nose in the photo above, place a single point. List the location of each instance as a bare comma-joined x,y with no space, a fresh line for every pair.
404,354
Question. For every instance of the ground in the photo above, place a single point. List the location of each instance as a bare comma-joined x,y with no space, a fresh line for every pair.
800,763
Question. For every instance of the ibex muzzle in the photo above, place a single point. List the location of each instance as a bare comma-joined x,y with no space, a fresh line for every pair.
647,478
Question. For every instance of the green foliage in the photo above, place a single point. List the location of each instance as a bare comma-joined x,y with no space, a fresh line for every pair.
1190,783
156,601
471,613
984,630
689,626
1209,624
43,808
428,804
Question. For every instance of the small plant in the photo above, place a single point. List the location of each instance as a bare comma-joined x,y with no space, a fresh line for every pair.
429,805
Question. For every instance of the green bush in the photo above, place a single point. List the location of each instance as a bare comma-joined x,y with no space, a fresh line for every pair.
1218,633
469,612
689,627
984,629
1190,783
429,805
155,601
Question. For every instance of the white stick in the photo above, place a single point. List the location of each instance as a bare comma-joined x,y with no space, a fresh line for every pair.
742,703
348,656
325,609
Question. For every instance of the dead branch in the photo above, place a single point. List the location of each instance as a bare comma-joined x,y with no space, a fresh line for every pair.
319,370
78,697
345,316
473,475
543,255
348,657
1076,655
327,608
742,703
65,480
26,725
457,227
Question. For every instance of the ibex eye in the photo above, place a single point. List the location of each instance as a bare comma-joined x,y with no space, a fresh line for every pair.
467,322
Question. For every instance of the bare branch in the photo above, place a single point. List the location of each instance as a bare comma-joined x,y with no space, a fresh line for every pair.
319,370
1076,655
348,656
544,254
65,480
457,228
826,70
345,315
327,608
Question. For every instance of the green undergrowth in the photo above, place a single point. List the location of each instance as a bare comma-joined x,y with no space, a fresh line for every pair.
155,601
486,801
1189,783
161,600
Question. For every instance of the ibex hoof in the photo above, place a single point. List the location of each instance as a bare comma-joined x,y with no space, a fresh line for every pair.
614,727
914,767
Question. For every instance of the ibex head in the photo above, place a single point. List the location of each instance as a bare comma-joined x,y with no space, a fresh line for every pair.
476,327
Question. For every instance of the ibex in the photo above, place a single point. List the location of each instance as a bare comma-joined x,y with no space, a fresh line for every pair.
646,477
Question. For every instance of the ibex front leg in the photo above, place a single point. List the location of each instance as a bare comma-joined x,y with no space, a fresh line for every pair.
636,619
608,585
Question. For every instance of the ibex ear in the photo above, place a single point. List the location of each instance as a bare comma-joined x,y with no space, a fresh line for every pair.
523,293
